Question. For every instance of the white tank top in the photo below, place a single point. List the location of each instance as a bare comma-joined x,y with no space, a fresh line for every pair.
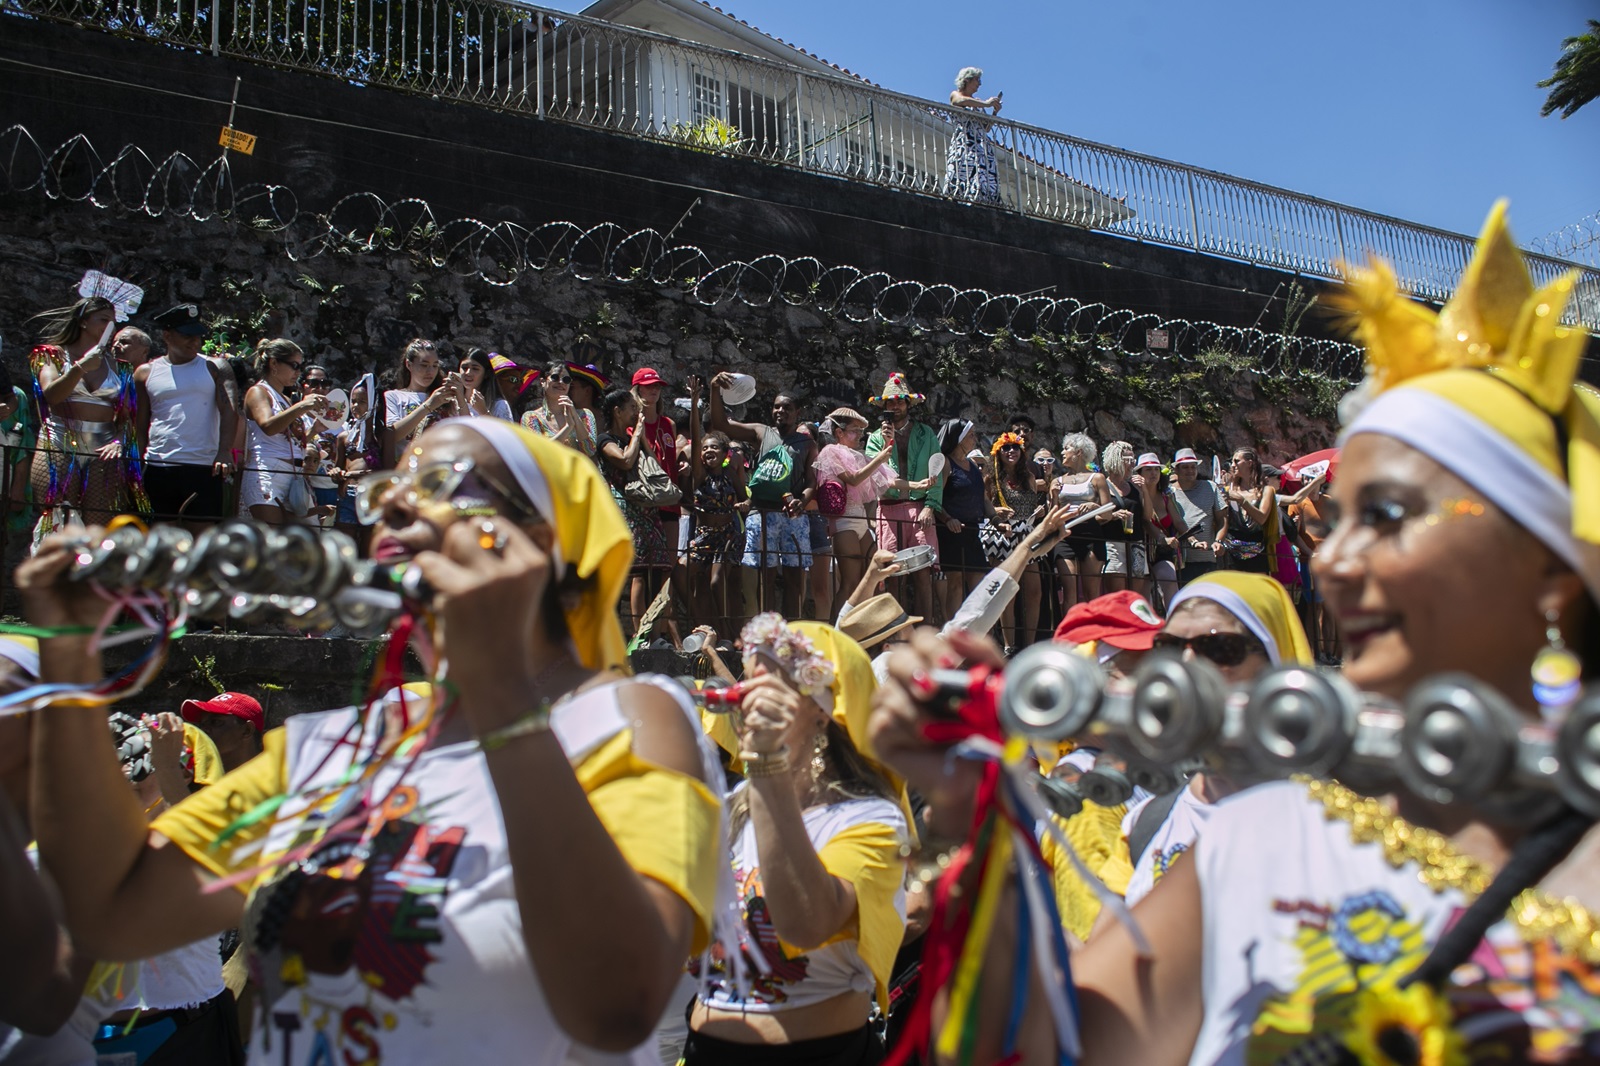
264,447
1076,492
184,424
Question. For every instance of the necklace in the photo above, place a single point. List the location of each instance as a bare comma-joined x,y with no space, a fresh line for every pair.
1537,915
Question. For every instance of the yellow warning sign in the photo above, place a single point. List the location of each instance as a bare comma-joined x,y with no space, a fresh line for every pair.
238,140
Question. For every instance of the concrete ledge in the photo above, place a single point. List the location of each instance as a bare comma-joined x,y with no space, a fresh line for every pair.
294,675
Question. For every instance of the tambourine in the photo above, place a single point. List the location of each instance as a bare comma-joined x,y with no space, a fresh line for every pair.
917,557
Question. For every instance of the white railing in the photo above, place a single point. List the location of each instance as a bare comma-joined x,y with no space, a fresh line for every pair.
552,65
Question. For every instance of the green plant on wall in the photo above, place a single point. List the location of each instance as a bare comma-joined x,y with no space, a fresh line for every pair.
206,667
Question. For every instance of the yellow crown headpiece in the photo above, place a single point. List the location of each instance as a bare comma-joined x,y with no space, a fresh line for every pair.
1496,320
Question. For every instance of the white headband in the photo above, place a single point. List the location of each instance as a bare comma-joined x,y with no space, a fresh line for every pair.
514,453
1481,456
1234,604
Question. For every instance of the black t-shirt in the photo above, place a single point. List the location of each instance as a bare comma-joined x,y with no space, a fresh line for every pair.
616,475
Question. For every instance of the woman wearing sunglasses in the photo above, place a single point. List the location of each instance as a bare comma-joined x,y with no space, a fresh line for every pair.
534,881
1312,924
275,436
1241,624
558,417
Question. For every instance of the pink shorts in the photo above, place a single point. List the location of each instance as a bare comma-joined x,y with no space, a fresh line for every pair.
898,527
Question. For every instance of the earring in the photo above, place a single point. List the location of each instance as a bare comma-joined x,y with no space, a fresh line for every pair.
1556,670
819,757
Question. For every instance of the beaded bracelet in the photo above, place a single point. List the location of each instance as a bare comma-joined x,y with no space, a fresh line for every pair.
765,764
535,721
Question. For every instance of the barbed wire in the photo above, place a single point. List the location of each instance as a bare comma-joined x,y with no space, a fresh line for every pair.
500,253
1576,242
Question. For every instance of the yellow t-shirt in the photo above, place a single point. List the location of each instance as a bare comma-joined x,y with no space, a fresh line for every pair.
416,947
1096,835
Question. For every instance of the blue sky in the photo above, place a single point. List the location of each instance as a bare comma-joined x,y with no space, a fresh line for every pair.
1422,109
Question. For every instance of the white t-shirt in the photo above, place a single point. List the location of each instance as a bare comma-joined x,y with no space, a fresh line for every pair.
1176,836
817,974
420,959
501,408
397,403
1296,914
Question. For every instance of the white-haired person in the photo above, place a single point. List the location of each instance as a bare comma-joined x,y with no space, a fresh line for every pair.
970,171
1081,556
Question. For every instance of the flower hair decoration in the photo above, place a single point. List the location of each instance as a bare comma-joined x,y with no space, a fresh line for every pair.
768,636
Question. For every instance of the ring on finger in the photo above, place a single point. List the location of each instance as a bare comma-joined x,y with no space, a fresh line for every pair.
491,538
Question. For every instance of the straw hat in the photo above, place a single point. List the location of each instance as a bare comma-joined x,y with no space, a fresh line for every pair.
896,388
875,621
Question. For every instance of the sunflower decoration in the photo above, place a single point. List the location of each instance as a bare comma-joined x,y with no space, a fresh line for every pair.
1404,1027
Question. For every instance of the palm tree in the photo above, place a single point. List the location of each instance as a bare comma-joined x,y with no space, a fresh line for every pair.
1576,80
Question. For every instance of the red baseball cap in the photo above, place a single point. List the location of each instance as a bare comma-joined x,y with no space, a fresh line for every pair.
235,703
647,376
1124,620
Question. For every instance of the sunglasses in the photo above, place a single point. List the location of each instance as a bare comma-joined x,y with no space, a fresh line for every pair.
296,363
315,383
1223,649
433,483
559,379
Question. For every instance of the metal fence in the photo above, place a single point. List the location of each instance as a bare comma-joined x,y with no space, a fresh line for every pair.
552,65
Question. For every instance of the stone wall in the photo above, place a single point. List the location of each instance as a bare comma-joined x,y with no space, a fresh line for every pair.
352,309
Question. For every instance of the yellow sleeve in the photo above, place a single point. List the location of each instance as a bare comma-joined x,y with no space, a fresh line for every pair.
207,761
868,856
193,824
1095,833
664,823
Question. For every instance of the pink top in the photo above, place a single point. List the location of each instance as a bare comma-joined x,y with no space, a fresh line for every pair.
835,460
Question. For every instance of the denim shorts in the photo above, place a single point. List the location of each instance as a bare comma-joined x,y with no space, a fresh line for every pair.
772,538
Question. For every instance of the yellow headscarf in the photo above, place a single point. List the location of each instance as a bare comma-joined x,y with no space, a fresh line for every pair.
592,539
1487,387
1261,604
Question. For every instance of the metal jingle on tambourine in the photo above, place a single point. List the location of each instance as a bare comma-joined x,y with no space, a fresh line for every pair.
1176,710
340,557
205,603
236,556
1063,798
1107,786
1578,756
1049,693
164,547
1156,780
106,559
296,560
1298,720
1459,739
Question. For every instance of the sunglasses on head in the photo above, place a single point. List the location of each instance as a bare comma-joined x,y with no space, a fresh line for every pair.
1223,649
431,483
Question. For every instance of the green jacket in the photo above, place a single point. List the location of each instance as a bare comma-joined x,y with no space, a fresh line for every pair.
922,443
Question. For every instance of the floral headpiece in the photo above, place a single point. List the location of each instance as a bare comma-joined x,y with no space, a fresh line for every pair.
768,634
1002,440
